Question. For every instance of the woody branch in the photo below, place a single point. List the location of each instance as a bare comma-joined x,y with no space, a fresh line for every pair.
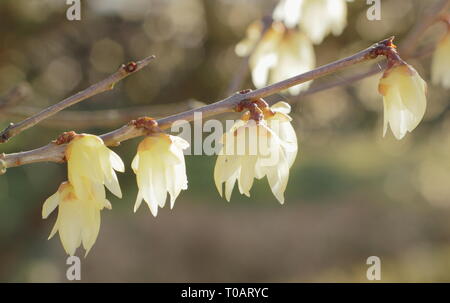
112,117
53,152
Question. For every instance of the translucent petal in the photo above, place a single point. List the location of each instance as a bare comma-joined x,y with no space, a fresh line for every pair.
260,71
146,174
219,169
112,184
440,67
288,11
282,107
278,178
135,163
159,182
91,227
50,204
70,225
295,56
179,142
229,185
247,174
138,202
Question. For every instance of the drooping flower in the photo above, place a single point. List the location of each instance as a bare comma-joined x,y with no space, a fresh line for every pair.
78,220
254,150
440,67
281,53
404,99
89,162
317,18
160,169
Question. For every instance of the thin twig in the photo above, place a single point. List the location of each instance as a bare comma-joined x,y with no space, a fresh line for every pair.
77,119
95,89
375,69
55,153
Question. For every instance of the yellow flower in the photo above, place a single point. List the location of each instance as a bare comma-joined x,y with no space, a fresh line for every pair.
404,99
440,68
280,54
254,150
78,219
159,167
321,17
89,162
317,18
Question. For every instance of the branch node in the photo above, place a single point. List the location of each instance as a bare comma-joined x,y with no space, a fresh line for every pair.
149,125
388,49
130,67
65,137
446,19
244,91
389,42
257,109
5,134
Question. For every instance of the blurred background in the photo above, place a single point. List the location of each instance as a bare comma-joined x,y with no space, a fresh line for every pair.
352,193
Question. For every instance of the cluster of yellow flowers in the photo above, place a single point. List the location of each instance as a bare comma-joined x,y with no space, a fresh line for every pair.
286,49
91,166
440,68
261,144
160,169
254,149
279,54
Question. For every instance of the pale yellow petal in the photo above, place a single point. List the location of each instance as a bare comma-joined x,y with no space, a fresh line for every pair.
116,161
138,202
135,163
70,226
50,204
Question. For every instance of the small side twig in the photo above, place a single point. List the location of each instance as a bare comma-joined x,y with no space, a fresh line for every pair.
55,153
95,89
